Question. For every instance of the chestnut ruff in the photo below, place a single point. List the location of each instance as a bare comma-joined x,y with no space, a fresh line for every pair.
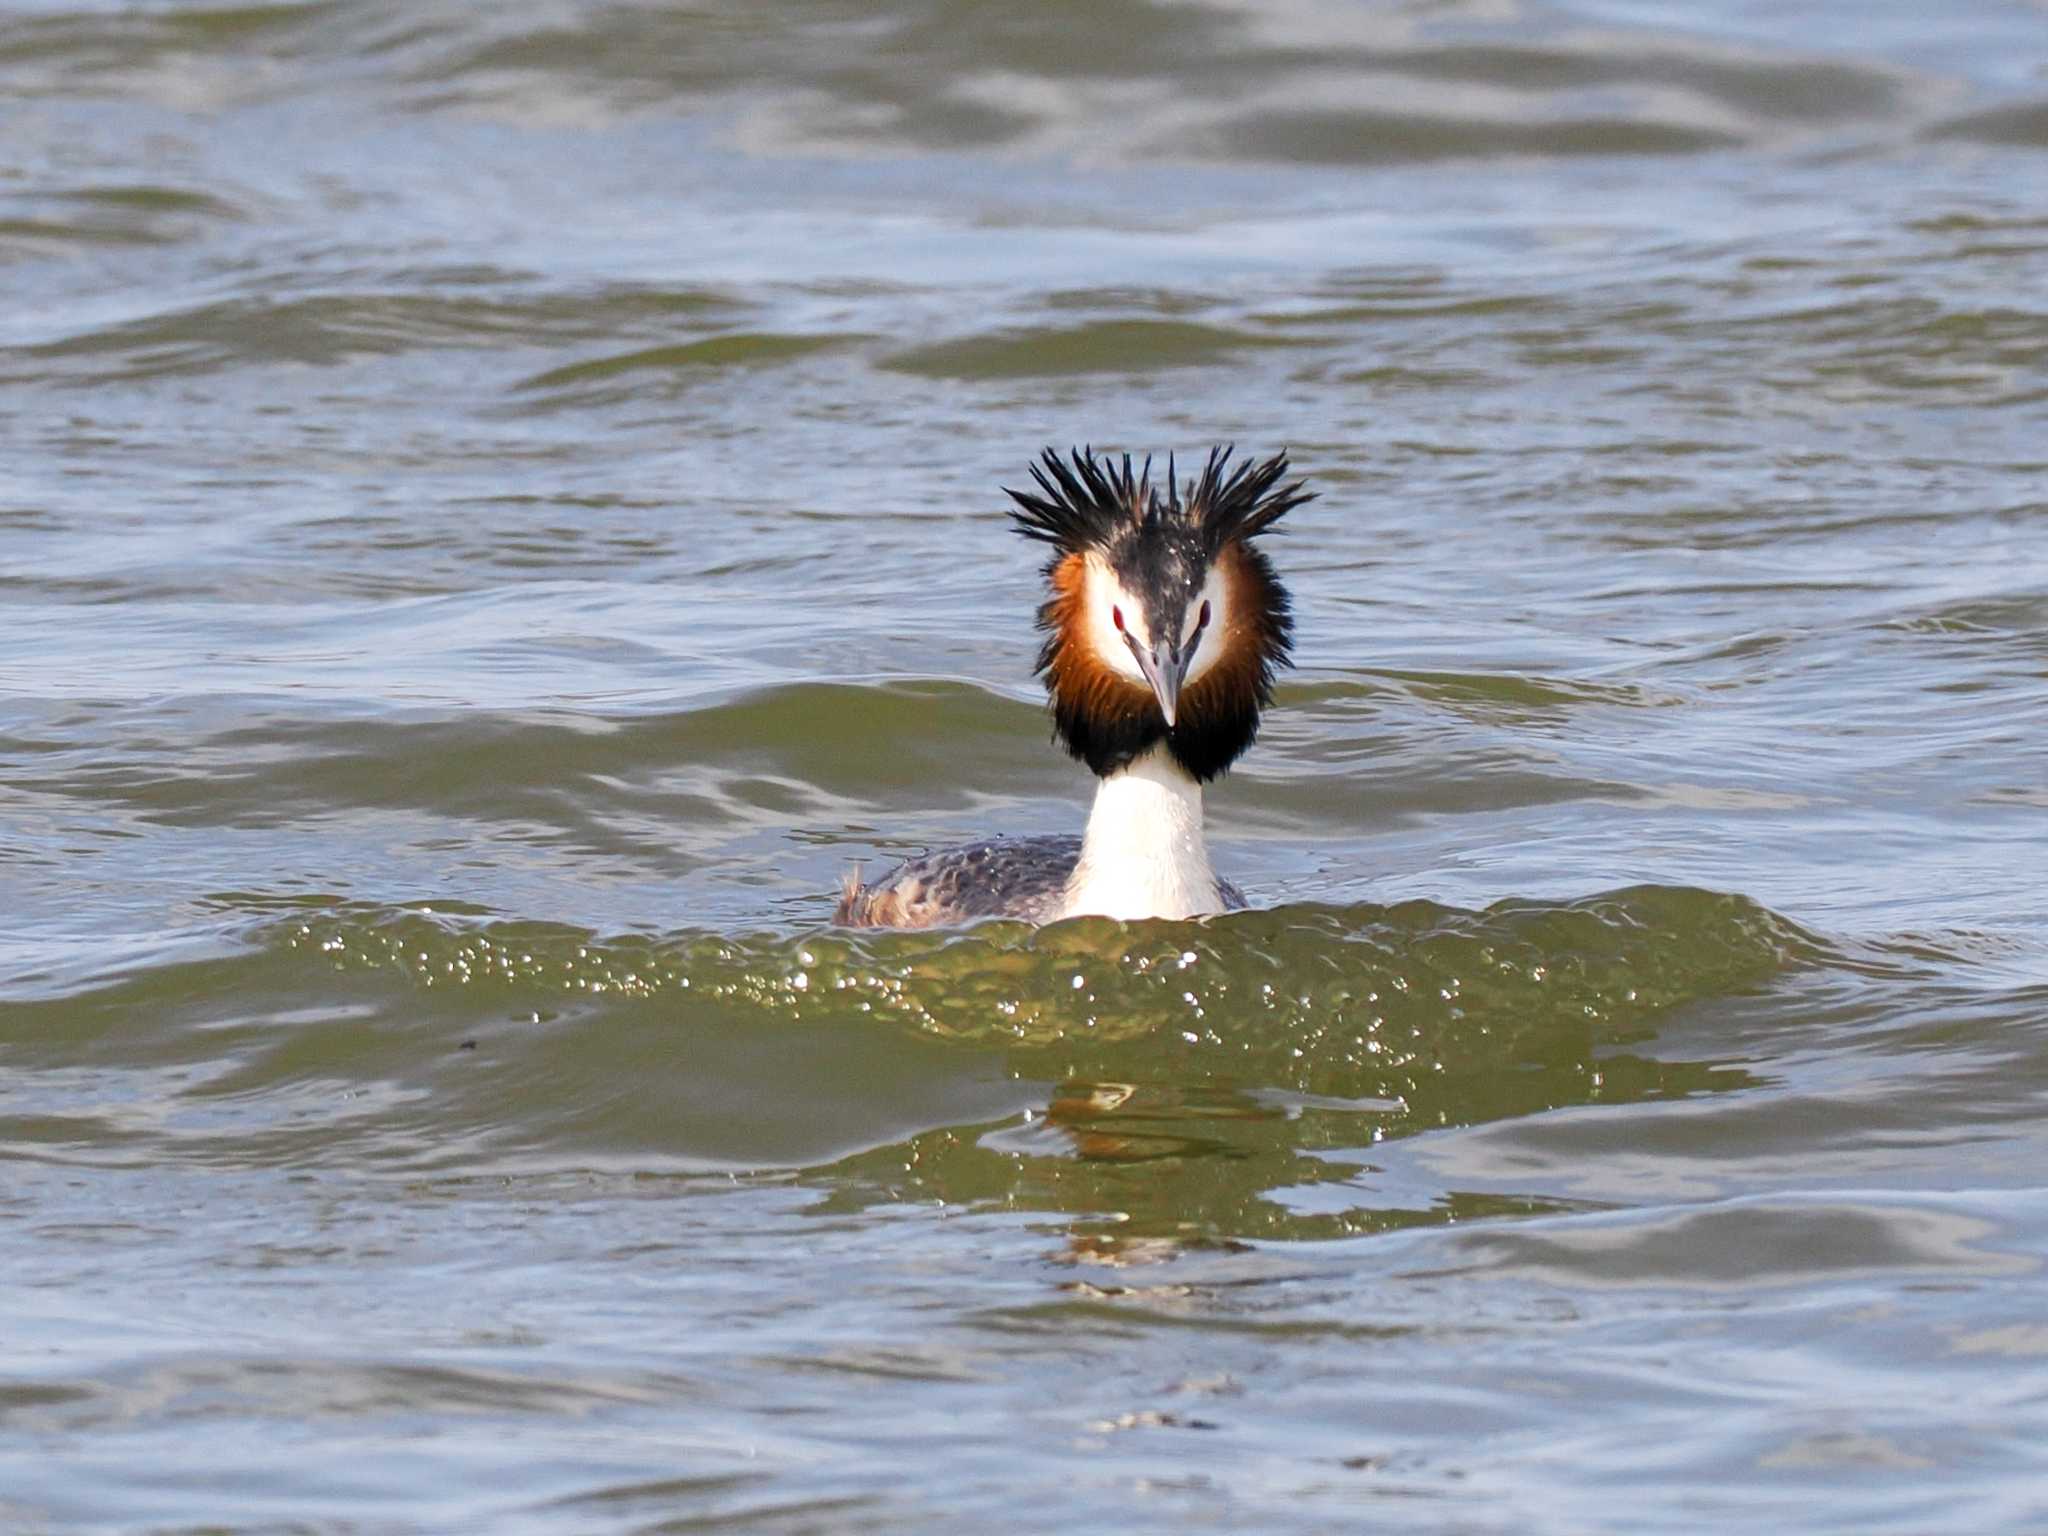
1159,545
1108,721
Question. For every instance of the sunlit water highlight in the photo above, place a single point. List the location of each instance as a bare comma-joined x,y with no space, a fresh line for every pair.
500,511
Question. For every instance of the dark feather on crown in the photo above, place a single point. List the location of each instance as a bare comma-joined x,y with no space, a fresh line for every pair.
1084,502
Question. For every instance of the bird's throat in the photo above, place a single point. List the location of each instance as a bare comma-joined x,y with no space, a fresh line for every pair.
1144,854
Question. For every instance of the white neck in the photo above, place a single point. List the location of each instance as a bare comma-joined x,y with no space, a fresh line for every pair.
1143,855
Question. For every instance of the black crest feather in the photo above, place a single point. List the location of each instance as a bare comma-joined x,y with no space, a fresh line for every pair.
1085,502
1240,503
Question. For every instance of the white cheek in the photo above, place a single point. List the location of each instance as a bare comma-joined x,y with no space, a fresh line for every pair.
1105,596
1209,649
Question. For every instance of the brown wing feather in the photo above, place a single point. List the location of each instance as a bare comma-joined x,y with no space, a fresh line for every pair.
1020,877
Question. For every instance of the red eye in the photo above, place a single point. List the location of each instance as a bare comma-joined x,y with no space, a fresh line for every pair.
1203,621
1116,617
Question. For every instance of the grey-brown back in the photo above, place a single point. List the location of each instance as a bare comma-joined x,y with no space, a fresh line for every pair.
1017,877
1020,877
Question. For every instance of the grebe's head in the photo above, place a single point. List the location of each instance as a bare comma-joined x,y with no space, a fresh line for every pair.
1164,623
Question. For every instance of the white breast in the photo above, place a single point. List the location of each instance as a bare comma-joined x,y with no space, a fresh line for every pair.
1144,854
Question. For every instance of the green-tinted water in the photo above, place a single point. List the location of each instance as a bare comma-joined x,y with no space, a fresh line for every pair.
499,510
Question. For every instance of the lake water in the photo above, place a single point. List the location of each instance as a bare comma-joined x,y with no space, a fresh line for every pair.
499,509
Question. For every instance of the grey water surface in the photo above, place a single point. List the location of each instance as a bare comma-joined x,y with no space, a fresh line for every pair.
499,508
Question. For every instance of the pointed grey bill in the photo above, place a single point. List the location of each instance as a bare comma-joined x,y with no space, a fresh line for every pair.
1163,666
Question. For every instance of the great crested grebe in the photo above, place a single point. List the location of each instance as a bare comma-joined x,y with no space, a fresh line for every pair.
1163,628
